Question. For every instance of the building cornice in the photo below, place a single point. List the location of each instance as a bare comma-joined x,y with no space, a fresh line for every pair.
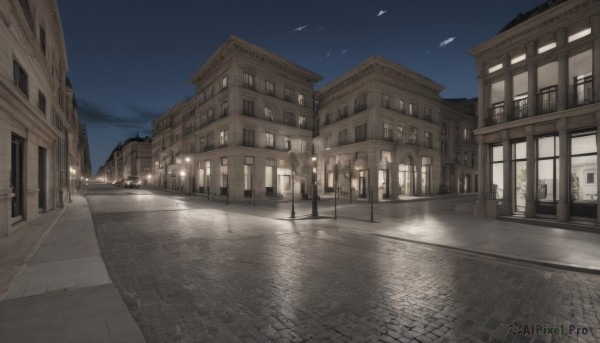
238,47
523,31
378,64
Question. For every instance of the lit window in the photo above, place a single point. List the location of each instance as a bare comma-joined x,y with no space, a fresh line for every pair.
547,47
495,68
269,88
248,81
518,59
224,83
580,34
301,100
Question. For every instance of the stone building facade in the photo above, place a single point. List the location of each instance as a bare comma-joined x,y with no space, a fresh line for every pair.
41,156
130,158
539,105
232,138
384,128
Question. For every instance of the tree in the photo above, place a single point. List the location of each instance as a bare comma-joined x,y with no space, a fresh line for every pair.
296,163
349,173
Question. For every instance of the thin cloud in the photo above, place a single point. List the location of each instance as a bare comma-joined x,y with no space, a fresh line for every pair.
342,53
95,115
381,12
328,54
447,41
300,28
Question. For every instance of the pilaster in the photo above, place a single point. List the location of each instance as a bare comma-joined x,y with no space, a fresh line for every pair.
532,77
530,195
562,208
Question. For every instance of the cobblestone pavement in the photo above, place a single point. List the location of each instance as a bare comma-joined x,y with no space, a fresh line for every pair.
195,273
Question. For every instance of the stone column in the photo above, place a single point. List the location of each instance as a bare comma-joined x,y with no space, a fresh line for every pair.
531,181
562,208
480,205
482,103
507,197
532,85
596,58
563,70
393,178
419,176
508,90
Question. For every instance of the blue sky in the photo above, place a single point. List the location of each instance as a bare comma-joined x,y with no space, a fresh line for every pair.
130,61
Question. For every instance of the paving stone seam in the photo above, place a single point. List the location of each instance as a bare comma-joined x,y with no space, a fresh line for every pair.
35,248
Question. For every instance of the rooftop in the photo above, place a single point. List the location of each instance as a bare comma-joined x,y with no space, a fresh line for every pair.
522,17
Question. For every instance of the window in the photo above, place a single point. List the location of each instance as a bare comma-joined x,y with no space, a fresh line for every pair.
248,108
248,175
427,113
248,81
388,132
268,114
42,102
287,143
579,35
224,176
327,119
224,83
343,137
497,168
269,88
287,94
519,175
224,108
289,118
425,175
269,166
401,134
301,100
518,59
413,136
428,140
495,68
444,129
223,137
444,147
20,78
343,112
302,122
412,110
201,98
520,107
360,103
248,138
590,178
546,47
401,106
211,115
269,140
43,40
360,133
27,10
385,101
583,168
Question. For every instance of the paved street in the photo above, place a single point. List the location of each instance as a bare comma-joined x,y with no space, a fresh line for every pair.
190,271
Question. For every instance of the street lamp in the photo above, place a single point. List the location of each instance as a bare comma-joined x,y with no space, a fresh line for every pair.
182,173
187,159
149,180
315,211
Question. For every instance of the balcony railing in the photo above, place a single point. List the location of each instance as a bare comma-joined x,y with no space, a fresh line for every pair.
546,102
360,108
360,139
495,115
209,148
248,143
520,109
581,94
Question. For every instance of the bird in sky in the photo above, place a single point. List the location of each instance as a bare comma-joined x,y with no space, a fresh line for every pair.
300,28
447,41
381,12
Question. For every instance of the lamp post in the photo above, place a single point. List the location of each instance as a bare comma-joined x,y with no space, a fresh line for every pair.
182,176
315,211
187,159
149,181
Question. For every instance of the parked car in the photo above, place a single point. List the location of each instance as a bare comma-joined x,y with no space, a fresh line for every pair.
133,182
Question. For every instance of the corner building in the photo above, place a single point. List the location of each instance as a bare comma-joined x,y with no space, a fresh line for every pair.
232,137
387,131
539,106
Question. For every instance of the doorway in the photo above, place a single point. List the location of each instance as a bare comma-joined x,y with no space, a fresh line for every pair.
42,179
16,176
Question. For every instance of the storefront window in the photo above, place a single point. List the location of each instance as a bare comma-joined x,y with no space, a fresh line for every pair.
547,169
583,168
519,157
497,168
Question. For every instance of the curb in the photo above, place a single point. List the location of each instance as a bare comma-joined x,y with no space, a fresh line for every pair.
35,248
545,263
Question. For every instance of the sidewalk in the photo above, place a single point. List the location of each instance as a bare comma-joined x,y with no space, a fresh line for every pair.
539,244
64,293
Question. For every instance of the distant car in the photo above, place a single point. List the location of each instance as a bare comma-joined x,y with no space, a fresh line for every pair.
132,182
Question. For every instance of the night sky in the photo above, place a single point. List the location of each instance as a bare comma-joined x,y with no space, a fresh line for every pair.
130,61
